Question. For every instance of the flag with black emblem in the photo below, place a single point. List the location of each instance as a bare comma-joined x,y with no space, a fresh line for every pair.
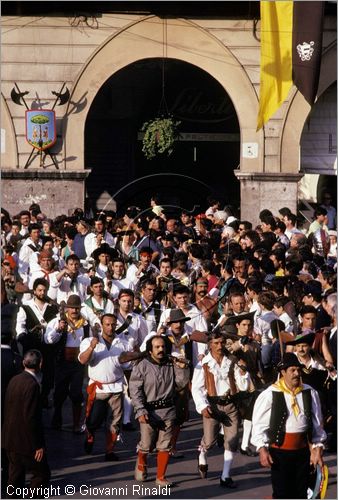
307,47
291,45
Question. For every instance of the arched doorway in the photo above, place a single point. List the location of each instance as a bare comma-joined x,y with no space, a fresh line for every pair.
204,158
318,158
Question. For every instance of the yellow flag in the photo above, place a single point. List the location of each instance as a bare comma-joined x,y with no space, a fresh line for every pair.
276,57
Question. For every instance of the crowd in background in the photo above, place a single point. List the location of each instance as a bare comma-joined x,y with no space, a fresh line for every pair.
277,279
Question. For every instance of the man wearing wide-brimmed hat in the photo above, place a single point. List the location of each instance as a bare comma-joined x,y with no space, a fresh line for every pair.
315,372
66,331
179,344
288,430
102,256
196,322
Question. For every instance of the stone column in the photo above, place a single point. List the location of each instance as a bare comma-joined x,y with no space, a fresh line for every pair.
55,191
267,190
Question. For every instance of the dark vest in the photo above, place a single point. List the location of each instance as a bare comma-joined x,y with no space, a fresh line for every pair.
187,350
155,307
63,340
33,340
279,415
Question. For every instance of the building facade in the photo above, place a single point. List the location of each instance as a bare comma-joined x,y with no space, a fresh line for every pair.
117,61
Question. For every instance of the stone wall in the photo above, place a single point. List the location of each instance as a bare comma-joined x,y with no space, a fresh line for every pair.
56,193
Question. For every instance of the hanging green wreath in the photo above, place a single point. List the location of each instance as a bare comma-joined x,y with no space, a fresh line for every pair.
159,136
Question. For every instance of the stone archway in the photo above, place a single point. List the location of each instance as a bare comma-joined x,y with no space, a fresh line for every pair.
208,147
186,42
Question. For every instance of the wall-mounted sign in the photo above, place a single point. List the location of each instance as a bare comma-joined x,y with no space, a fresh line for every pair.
250,150
41,128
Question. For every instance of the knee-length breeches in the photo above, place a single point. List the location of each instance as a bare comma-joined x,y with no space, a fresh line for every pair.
230,428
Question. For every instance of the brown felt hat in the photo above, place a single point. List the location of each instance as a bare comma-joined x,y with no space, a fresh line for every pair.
177,316
73,301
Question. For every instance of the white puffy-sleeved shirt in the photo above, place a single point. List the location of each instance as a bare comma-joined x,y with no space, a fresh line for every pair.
104,365
52,336
132,270
90,242
39,273
197,322
25,252
137,329
221,377
117,285
262,412
94,307
64,289
22,316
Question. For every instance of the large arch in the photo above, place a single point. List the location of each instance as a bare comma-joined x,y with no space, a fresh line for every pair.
298,112
185,41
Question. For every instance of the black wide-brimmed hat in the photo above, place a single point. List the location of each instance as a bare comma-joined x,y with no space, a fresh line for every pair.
177,316
235,319
306,337
289,359
105,248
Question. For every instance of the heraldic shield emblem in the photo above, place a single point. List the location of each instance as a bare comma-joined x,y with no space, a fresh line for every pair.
41,128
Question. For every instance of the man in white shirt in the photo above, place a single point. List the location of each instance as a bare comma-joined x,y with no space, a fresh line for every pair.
31,323
105,356
98,303
286,424
196,322
45,269
118,280
67,331
98,237
214,380
145,269
31,244
131,330
149,308
69,281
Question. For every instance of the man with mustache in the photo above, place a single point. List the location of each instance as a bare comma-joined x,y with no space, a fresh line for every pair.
153,384
215,380
67,331
31,323
287,429
206,304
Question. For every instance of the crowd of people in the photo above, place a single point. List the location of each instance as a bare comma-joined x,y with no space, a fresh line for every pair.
155,308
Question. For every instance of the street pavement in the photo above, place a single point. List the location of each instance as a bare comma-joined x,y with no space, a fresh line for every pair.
78,475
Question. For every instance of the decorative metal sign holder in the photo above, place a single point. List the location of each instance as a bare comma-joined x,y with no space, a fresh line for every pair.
41,140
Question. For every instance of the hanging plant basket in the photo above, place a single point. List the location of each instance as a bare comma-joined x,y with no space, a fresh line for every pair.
159,136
